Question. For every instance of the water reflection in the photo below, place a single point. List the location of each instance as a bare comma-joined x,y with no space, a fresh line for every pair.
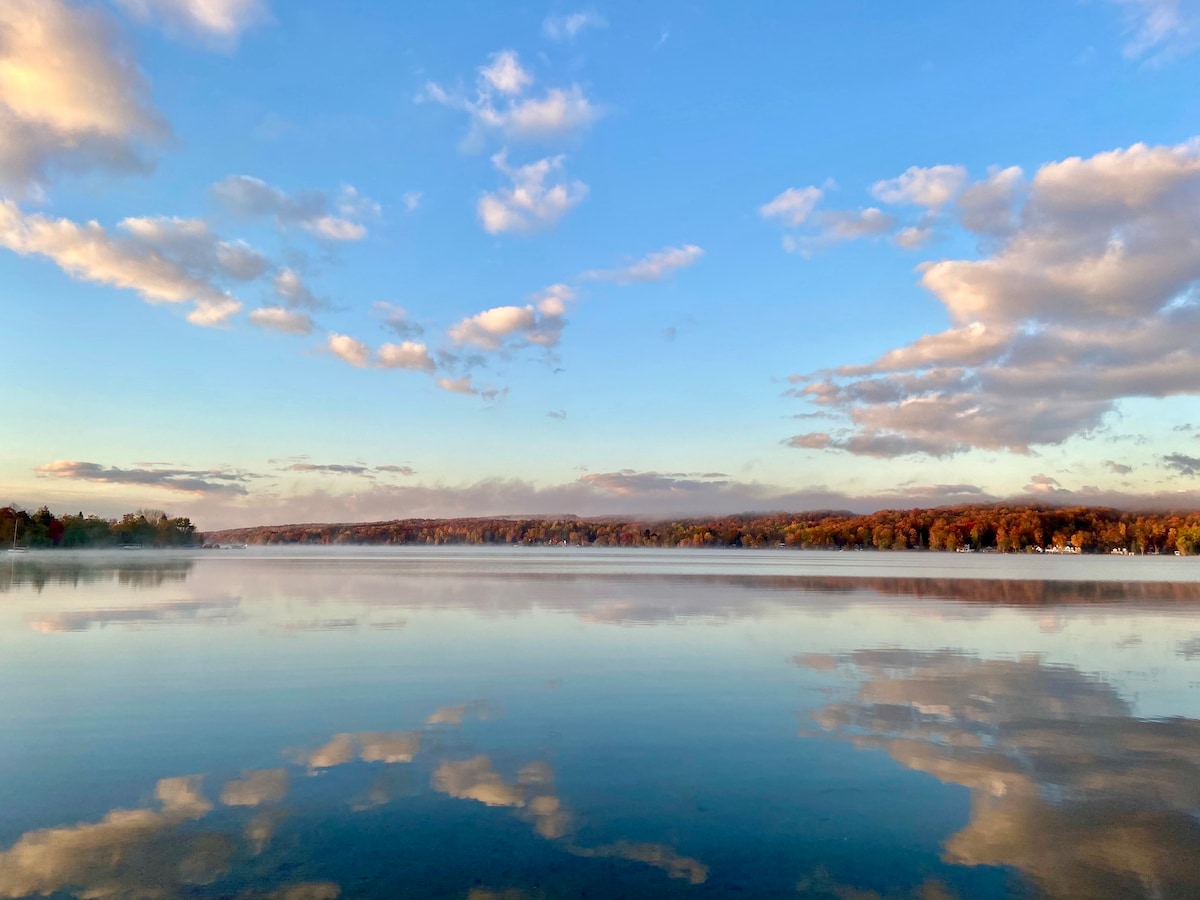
408,728
342,595
1067,786
161,853
142,571
129,853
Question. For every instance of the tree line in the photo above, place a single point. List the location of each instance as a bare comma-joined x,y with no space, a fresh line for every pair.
145,527
998,527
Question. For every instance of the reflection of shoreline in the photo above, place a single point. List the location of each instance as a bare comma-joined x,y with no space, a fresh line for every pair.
139,572
375,594
1067,786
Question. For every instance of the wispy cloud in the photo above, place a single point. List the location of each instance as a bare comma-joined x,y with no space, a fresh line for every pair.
193,481
652,267
337,217
287,321
1159,31
568,27
218,22
498,104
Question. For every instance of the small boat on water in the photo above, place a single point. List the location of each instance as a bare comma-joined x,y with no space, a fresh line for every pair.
14,548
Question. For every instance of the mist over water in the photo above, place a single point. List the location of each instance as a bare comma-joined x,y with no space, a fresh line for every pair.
535,723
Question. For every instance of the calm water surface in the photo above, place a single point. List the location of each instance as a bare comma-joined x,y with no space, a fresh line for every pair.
517,723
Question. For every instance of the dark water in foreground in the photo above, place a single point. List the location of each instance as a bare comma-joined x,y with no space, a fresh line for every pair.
558,724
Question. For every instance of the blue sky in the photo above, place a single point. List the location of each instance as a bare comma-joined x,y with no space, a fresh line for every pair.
266,262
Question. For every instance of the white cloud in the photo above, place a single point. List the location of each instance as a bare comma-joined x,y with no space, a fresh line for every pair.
931,187
276,318
219,21
71,96
531,202
347,348
848,225
457,385
652,267
405,355
498,104
333,218
505,74
1160,30
567,27
912,236
164,260
412,200
560,112
793,206
552,301
1091,298
291,287
489,328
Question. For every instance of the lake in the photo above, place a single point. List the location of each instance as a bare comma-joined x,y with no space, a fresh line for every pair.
510,723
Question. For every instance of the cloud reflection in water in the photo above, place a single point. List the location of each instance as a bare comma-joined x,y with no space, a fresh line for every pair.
1067,785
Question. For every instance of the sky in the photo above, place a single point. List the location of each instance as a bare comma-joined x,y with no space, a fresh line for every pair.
274,261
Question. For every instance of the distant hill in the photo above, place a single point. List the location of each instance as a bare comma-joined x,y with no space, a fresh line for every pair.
1005,528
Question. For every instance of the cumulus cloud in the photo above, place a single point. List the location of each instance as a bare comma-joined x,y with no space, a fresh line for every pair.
191,481
652,267
793,206
337,217
567,27
164,260
71,96
1090,300
276,318
540,195
349,349
220,22
498,104
931,187
540,322
411,355
504,73
988,206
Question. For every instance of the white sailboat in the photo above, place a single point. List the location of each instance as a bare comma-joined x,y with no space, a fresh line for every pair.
14,548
